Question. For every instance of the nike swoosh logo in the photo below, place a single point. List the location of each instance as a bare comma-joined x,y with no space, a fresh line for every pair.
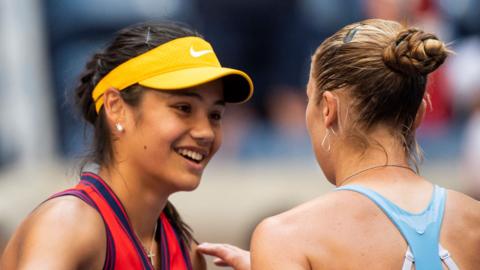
197,54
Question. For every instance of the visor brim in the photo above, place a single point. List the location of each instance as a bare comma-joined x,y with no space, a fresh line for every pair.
238,86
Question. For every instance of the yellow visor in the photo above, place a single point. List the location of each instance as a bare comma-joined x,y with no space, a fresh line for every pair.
178,64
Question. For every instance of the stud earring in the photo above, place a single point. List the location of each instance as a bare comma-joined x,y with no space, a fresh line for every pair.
119,127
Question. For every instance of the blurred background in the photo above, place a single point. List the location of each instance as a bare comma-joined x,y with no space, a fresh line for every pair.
266,164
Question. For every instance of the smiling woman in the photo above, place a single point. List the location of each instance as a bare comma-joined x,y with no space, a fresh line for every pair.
155,96
178,129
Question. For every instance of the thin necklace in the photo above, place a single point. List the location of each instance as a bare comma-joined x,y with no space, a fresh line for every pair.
374,167
150,253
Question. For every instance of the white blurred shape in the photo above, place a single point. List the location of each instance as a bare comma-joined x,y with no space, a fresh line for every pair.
464,70
25,111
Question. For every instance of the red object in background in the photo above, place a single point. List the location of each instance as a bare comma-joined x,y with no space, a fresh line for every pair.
440,113
425,6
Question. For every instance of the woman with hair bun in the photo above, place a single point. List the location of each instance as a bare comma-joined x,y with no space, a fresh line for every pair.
367,97
155,98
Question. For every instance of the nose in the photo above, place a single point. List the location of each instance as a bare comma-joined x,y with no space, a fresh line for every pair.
203,131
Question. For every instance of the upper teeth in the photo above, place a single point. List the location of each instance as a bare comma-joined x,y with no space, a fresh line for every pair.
191,154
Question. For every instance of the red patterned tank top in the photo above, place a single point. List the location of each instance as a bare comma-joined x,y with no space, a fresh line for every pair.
124,250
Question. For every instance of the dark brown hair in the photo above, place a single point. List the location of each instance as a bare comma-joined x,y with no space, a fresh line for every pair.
384,66
128,43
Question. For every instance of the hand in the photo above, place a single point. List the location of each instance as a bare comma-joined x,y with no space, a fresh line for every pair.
227,255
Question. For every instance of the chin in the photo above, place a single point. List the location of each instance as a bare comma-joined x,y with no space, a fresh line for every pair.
187,183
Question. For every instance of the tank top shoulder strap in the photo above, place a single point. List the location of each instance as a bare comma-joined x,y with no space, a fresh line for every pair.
420,230
129,249
109,263
174,253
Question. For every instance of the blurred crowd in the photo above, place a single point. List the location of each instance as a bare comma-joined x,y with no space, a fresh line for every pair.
49,42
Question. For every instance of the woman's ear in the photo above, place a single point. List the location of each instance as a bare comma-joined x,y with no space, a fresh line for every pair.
330,108
114,106
420,113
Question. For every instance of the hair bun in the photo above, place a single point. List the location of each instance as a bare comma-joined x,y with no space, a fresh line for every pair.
414,52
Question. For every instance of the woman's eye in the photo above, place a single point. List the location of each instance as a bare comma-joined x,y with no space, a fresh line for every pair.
184,108
216,116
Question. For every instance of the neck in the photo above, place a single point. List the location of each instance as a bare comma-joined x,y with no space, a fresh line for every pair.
142,202
359,165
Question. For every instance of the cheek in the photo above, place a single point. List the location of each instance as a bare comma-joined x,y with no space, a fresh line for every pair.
317,146
218,139
314,131
168,131
160,135
310,120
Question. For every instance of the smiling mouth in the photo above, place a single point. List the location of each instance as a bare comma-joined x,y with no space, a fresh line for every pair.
190,155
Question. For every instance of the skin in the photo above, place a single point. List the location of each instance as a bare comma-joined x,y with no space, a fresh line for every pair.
227,255
146,161
340,230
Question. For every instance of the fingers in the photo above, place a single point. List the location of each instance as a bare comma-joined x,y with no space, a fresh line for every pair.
220,262
217,250
227,255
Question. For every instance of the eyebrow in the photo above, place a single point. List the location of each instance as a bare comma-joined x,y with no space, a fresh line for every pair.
220,102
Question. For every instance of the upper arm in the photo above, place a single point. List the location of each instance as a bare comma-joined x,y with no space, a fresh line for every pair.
63,233
274,246
198,261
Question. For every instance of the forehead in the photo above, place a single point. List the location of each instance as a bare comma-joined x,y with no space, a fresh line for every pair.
209,90
213,86
209,94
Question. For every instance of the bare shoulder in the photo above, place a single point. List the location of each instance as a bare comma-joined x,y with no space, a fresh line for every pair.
468,205
291,236
62,233
463,213
461,229
320,213
273,246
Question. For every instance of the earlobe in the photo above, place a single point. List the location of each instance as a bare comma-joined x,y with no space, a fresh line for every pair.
119,127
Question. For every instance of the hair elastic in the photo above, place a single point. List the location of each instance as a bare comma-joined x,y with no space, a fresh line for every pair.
351,34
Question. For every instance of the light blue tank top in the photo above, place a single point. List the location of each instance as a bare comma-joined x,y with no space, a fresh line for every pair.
420,230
